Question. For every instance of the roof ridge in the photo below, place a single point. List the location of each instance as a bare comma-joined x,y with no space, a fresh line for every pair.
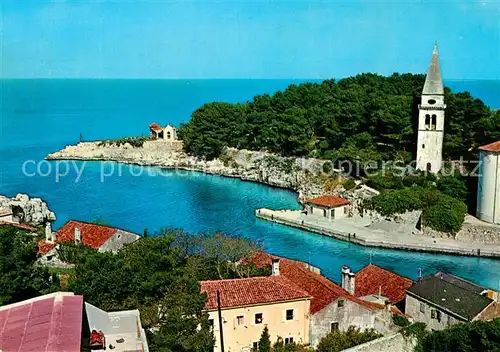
93,224
384,269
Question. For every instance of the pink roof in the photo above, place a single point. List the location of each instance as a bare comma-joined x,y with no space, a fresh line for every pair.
49,323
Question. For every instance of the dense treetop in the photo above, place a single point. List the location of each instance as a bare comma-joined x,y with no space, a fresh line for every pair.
366,117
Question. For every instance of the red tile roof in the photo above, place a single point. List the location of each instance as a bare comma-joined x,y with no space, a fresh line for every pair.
48,323
45,247
321,290
251,291
372,278
492,147
93,235
328,201
155,127
20,226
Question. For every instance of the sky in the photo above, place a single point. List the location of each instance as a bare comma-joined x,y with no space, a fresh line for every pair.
247,39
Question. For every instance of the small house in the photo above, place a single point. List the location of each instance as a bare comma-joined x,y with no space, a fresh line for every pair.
439,302
101,237
326,206
167,133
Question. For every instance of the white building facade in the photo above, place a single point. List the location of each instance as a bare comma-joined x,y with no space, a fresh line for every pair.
488,190
431,116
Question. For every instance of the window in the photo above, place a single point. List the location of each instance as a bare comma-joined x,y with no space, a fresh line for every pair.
255,346
288,340
340,303
423,146
258,318
433,123
438,315
422,307
433,314
431,101
427,120
289,314
211,323
240,320
334,327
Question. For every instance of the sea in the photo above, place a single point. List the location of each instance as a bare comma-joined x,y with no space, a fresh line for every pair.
39,117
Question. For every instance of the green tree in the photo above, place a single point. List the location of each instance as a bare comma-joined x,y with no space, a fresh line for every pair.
20,277
453,186
477,336
265,341
340,340
149,274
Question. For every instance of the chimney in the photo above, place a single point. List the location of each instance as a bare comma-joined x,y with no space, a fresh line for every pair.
352,282
78,236
48,232
345,277
275,269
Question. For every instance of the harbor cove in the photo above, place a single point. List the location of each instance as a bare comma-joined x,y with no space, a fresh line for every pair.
40,117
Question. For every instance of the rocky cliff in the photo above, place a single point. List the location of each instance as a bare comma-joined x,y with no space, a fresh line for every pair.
305,176
26,210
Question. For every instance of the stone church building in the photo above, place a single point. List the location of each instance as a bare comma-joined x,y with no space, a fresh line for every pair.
431,119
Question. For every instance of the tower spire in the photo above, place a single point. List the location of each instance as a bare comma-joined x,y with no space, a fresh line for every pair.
433,81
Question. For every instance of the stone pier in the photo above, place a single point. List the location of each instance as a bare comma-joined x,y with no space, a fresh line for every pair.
355,230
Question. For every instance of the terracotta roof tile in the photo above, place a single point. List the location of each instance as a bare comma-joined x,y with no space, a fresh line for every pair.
45,247
328,201
492,147
371,278
155,127
250,291
321,290
93,235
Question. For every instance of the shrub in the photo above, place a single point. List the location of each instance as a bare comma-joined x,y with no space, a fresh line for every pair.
136,142
475,336
341,340
446,214
397,201
400,320
439,211
453,186
349,184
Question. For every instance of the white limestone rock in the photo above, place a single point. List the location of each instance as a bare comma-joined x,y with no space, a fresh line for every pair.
26,210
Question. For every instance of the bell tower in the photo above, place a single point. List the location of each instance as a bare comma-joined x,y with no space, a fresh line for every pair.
431,119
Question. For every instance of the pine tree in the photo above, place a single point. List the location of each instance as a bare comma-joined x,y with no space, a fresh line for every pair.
265,341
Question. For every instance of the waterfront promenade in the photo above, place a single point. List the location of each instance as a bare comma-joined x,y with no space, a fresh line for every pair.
355,230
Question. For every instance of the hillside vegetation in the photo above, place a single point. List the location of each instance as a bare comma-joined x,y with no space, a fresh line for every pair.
366,117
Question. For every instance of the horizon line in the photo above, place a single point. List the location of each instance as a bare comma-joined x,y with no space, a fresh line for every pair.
225,78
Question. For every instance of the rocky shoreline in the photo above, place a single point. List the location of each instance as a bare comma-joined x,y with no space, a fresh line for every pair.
26,210
296,174
307,176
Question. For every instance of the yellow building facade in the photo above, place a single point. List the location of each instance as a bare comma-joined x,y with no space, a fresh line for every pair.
267,301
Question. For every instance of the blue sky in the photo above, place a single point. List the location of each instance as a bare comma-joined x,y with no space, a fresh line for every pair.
244,39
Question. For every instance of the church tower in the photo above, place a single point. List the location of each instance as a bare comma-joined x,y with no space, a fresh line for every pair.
431,119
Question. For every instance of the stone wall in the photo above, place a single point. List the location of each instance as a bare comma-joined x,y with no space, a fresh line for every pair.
349,314
391,343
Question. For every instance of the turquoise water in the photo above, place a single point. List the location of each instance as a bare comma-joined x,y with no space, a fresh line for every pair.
40,117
